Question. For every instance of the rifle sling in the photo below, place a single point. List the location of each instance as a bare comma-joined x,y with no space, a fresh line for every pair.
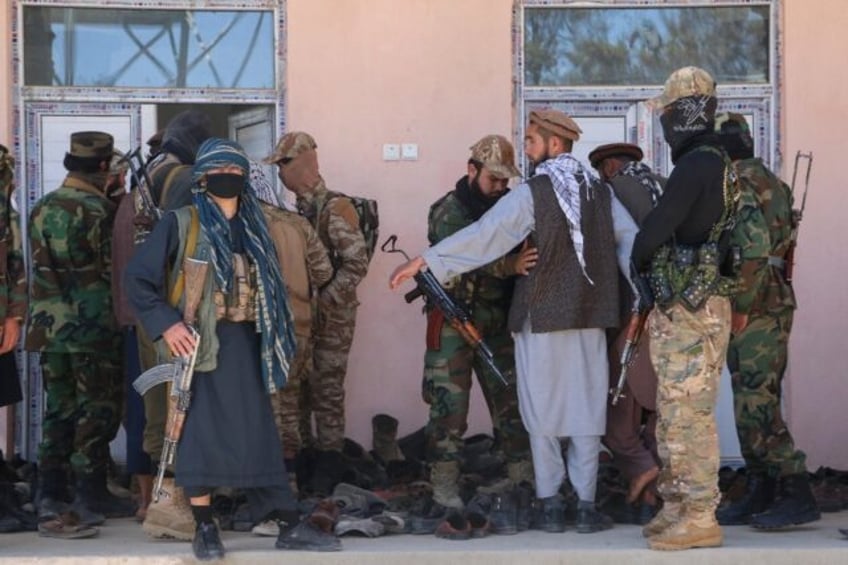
191,245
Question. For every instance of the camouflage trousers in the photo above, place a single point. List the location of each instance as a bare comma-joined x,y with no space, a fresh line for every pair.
446,387
83,410
688,352
757,360
324,394
289,403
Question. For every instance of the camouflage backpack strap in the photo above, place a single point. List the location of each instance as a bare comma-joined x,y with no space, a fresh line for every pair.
191,244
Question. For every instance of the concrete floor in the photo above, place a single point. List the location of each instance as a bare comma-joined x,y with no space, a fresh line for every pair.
122,542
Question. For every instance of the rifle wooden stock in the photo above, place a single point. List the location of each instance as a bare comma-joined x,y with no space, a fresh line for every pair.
633,335
179,400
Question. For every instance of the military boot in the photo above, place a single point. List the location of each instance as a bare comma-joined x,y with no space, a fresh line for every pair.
795,505
93,495
691,531
52,493
444,477
327,473
668,515
170,517
758,495
590,520
384,438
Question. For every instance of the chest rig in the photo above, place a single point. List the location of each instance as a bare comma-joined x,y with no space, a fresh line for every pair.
239,304
690,274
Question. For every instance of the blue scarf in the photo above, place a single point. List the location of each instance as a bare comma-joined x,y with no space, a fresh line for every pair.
274,318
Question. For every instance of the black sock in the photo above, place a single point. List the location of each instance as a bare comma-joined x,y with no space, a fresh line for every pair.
202,514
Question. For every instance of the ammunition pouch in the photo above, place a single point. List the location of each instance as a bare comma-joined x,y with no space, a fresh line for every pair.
691,274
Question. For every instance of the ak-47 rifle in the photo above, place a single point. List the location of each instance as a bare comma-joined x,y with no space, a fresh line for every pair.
797,214
436,296
148,212
635,329
178,374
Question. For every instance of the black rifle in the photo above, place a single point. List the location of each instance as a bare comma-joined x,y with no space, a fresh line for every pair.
797,215
436,297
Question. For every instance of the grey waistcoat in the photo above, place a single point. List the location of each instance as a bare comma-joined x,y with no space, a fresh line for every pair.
556,294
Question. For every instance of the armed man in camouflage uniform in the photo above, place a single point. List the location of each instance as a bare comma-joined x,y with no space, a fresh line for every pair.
335,219
778,491
486,293
12,282
72,325
631,423
690,326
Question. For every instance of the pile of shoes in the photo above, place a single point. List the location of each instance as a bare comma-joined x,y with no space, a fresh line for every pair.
830,489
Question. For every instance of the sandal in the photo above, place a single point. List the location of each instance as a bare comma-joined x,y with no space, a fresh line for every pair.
66,526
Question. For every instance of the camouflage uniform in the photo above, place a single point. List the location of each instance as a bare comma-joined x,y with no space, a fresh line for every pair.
335,219
72,323
757,355
690,325
12,279
305,266
446,387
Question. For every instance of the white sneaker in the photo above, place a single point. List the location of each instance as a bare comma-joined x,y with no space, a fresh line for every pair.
268,528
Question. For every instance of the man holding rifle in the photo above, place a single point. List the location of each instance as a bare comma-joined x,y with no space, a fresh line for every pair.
778,491
560,310
632,417
485,294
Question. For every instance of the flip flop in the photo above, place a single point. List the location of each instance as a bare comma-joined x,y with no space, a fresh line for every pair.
66,526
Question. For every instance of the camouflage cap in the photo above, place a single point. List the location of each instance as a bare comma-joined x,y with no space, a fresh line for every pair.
686,81
92,145
556,122
118,164
495,152
602,152
290,146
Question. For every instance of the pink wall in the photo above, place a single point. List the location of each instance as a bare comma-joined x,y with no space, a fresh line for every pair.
367,72
815,105
438,73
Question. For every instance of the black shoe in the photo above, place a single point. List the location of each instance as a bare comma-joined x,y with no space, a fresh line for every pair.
795,505
503,516
427,517
589,520
207,544
524,506
93,495
550,514
759,495
329,466
307,537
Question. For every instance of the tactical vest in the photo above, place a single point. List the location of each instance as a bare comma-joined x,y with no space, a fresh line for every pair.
690,274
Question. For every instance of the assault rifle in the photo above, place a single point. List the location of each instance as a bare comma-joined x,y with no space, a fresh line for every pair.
635,329
178,374
436,296
148,212
797,214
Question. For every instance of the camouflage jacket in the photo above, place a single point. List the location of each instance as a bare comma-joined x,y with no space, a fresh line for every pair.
12,273
491,284
337,224
764,229
70,237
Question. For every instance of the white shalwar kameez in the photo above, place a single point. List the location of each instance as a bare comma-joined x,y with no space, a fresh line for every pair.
563,375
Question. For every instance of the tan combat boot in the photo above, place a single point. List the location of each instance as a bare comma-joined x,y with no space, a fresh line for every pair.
170,517
691,531
444,476
668,515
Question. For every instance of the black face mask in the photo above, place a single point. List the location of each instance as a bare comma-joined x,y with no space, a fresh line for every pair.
687,118
225,185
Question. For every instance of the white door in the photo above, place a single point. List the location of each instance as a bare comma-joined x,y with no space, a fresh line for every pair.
254,130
